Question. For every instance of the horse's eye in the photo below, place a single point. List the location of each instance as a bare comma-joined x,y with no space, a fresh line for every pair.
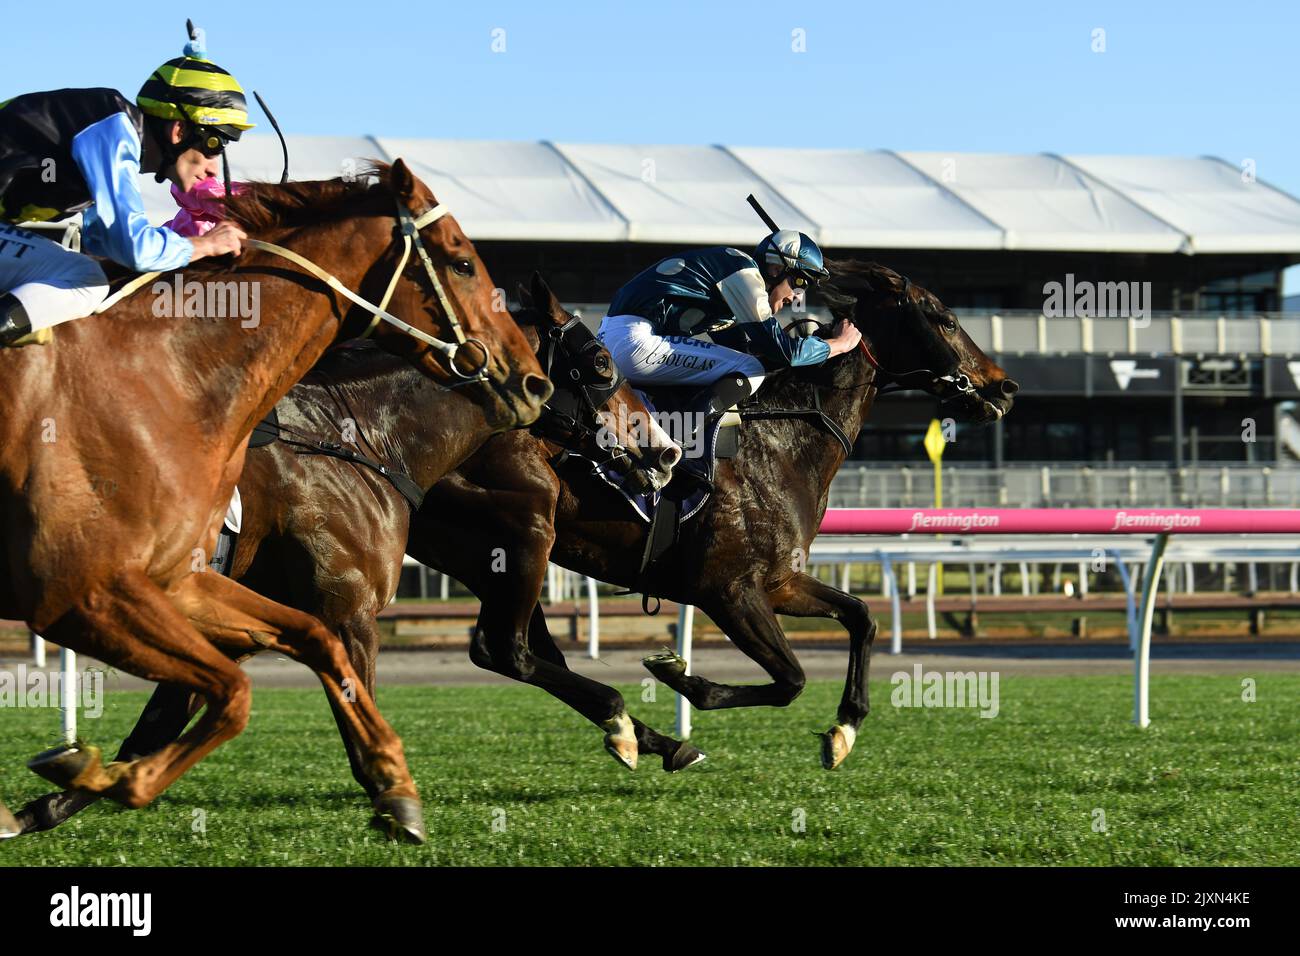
462,267
950,323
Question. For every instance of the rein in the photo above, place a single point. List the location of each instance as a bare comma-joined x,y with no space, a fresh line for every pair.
410,228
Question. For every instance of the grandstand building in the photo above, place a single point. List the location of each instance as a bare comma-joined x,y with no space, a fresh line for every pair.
1137,300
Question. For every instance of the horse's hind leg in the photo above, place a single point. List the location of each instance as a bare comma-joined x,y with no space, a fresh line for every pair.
231,616
163,719
805,596
133,625
360,637
676,754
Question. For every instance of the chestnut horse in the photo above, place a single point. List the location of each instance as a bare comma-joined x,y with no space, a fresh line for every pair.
121,443
325,533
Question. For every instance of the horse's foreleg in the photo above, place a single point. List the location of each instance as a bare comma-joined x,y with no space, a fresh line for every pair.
676,754
9,826
500,644
805,596
228,613
746,617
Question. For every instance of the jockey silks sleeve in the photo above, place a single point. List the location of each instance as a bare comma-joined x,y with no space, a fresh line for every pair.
746,295
115,226
710,290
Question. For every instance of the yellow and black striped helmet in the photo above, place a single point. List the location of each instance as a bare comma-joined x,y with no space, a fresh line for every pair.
193,88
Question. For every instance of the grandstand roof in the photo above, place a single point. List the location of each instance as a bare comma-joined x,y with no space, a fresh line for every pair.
569,192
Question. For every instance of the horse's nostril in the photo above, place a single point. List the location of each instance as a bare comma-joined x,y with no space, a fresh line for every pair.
1009,387
538,388
669,457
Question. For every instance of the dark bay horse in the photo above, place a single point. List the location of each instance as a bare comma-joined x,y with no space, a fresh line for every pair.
327,533
741,558
120,444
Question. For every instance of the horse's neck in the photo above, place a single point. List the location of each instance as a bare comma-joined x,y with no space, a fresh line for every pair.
245,371
845,399
407,420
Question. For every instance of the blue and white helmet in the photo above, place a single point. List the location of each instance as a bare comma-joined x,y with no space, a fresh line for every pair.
796,255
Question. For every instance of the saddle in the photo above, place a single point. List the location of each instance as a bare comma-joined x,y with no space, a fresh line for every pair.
668,509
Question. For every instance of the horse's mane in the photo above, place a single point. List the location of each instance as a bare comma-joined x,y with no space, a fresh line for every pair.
854,278
261,206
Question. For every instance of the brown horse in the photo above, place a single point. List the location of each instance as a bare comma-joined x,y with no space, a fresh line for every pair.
120,445
326,533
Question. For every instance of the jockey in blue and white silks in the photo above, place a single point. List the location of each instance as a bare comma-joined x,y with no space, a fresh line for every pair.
734,298
724,292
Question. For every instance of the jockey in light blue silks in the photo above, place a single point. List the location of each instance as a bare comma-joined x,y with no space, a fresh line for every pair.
82,150
732,296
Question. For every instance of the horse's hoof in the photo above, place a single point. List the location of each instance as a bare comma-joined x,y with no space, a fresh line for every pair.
684,756
9,827
400,818
70,766
620,739
622,750
667,667
836,744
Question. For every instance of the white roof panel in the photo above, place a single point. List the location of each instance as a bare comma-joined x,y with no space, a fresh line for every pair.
511,190
871,200
1044,203
846,198
693,195
1207,198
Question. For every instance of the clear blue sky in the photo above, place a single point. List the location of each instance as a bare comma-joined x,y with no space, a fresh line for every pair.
1177,78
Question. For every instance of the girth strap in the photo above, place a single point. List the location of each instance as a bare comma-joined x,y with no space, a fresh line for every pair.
814,412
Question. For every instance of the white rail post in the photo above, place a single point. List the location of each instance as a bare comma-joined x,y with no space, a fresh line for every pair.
1142,656
1130,604
931,629
593,620
38,650
685,624
895,605
68,697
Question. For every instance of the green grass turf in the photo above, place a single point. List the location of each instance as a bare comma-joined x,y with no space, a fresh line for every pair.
1213,781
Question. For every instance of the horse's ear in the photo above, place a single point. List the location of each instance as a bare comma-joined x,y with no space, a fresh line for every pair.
402,180
546,300
525,297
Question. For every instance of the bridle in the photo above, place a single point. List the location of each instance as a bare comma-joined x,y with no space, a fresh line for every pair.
576,403
954,384
410,227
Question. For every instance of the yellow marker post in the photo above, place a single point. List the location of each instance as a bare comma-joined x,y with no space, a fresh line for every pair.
934,446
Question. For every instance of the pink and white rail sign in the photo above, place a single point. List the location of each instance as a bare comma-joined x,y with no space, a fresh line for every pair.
1059,521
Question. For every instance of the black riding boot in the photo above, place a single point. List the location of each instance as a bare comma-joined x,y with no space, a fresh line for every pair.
14,323
709,404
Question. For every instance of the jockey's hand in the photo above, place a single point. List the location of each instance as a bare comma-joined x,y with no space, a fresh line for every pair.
844,338
225,238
